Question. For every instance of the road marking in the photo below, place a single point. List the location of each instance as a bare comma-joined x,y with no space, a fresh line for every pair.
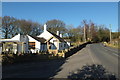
116,54
110,50
113,53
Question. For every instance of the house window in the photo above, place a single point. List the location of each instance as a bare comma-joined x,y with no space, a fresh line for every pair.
52,46
64,45
31,45
61,45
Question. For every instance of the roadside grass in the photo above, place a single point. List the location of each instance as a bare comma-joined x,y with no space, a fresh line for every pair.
113,46
76,43
117,46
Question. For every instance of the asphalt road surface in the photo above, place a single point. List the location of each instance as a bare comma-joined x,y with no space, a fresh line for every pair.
91,54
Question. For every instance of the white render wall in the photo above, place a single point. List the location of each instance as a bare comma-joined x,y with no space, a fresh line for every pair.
69,44
17,37
48,35
45,35
59,45
37,43
25,39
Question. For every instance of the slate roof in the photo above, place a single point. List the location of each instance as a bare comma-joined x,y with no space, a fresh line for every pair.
42,40
58,37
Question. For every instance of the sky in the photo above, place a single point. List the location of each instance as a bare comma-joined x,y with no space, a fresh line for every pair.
74,13
60,0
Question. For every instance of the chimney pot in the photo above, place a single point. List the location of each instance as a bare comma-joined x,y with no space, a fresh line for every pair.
58,33
61,35
45,27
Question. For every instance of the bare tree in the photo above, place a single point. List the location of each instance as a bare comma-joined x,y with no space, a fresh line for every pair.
86,29
75,34
36,29
56,25
0,27
8,26
12,26
29,27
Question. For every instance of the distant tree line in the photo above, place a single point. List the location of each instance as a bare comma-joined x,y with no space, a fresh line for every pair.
93,32
97,33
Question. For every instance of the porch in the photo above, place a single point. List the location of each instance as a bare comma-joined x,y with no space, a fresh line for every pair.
11,46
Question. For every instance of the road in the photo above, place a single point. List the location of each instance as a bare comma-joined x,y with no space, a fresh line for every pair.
91,54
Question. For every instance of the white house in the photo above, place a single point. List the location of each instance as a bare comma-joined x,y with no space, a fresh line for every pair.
23,44
54,41
46,41
37,44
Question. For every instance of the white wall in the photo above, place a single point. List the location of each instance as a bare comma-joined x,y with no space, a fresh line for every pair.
17,37
37,43
26,40
48,35
59,45
69,44
45,35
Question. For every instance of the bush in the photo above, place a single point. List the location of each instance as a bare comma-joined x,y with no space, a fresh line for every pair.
15,58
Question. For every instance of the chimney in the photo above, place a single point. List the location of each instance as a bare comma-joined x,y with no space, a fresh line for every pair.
45,27
58,33
61,35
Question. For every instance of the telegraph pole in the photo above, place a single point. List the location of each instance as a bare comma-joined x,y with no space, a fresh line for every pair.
110,34
84,34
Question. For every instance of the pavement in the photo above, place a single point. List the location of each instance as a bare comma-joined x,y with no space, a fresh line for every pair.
91,54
